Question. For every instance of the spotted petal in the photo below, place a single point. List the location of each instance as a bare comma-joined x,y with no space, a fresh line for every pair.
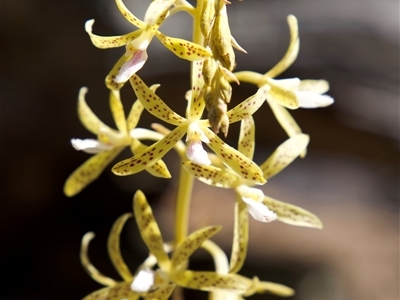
128,15
149,230
117,111
88,119
87,265
282,96
291,214
196,103
146,159
153,103
113,247
89,171
284,155
116,292
155,13
162,293
191,244
245,167
211,175
246,138
262,287
292,52
284,118
104,42
240,236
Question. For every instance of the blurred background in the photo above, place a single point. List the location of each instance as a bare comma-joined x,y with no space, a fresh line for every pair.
350,177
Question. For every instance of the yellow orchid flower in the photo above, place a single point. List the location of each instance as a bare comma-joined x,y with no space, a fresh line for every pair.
289,93
136,42
109,142
196,131
252,200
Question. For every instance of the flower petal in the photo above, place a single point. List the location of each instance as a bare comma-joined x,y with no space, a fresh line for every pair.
282,96
153,103
87,265
246,143
88,119
211,175
262,287
113,247
284,118
259,211
162,293
117,111
240,236
313,100
249,106
196,103
89,171
117,292
191,244
155,13
183,48
146,159
292,215
210,281
128,15
287,152
243,166
292,51
90,146
317,86
104,42
149,230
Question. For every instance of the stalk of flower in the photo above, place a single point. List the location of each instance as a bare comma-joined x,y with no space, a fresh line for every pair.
289,93
136,42
252,200
109,142
197,131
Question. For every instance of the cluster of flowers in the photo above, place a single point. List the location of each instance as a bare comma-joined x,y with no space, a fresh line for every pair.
213,61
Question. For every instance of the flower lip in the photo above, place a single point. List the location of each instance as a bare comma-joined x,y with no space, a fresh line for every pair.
143,281
196,153
130,67
90,146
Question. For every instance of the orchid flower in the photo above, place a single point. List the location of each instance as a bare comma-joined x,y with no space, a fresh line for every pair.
197,132
251,200
136,42
109,142
289,93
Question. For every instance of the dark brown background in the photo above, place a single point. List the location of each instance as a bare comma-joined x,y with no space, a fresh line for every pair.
349,178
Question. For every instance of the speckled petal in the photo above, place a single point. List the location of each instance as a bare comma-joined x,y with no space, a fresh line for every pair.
245,167
211,175
159,169
317,86
248,106
287,152
274,288
104,42
292,52
210,281
87,265
246,138
196,103
291,214
117,111
146,159
113,247
149,230
88,119
117,292
282,96
240,236
191,244
128,15
183,48
89,171
153,103
155,13
162,293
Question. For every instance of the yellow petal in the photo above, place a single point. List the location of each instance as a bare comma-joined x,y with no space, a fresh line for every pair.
89,171
250,77
146,159
88,119
159,169
153,103
246,138
317,86
240,236
128,15
292,215
117,111
211,175
156,12
149,230
113,247
248,106
191,244
282,96
162,293
292,52
180,147
183,48
117,292
209,281
196,103
104,42
243,166
262,287
287,152
87,265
